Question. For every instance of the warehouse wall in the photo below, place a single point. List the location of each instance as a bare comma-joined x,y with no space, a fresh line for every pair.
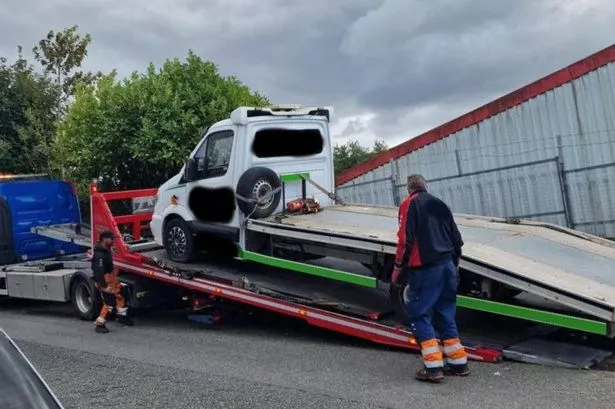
551,158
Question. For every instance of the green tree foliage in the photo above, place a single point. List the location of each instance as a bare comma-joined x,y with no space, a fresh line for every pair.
61,54
352,153
137,132
28,110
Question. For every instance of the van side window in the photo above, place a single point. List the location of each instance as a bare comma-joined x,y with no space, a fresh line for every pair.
278,142
214,156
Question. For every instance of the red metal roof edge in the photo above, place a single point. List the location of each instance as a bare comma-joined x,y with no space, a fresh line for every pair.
497,106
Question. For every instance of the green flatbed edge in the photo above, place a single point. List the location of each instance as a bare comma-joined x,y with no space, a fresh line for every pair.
514,311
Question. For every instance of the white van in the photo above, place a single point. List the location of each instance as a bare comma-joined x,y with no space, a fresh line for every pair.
250,154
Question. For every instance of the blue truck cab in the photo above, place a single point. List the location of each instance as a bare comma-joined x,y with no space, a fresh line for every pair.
30,203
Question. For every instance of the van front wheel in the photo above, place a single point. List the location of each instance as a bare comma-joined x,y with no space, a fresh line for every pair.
179,241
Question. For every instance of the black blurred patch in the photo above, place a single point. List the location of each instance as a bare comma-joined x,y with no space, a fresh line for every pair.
216,246
275,142
212,205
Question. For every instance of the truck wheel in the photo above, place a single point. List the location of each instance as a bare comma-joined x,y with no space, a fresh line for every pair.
179,241
85,299
254,184
397,293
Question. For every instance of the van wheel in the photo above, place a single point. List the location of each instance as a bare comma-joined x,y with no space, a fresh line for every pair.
85,299
179,241
256,183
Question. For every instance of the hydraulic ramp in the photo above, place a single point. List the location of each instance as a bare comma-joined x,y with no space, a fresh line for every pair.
566,267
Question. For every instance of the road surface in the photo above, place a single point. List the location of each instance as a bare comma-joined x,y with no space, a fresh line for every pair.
167,361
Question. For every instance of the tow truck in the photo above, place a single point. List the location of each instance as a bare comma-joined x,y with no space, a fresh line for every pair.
570,269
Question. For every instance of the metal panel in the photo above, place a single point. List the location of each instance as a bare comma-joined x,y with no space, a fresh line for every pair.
20,285
49,286
574,122
52,285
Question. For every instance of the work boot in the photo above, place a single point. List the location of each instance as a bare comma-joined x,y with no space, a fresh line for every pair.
101,329
461,370
435,376
124,320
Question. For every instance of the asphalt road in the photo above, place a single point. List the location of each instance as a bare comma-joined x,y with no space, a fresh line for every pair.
167,361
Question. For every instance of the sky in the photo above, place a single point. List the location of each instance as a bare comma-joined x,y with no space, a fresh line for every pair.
391,69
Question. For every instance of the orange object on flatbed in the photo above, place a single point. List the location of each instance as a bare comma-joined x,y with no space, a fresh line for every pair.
303,206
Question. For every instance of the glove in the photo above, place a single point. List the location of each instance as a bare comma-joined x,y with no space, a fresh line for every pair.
395,274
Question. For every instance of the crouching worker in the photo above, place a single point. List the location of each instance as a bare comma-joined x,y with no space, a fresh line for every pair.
428,253
107,282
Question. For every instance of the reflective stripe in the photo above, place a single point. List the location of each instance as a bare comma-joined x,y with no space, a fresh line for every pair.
433,364
432,356
452,348
458,361
430,351
122,311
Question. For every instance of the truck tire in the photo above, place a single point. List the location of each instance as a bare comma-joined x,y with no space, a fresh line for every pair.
85,298
178,240
396,294
254,184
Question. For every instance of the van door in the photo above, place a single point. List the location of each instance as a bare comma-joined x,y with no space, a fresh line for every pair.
211,195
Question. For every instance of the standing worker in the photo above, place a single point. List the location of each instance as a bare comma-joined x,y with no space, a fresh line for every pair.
107,282
428,252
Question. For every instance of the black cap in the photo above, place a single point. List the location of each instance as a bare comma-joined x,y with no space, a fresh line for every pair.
107,234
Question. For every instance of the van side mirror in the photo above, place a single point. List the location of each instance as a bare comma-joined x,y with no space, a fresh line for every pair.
190,170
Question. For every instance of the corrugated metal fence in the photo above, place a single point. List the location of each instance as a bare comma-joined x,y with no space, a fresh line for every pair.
545,190
551,158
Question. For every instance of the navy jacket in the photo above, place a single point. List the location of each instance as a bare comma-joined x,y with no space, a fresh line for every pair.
428,234
102,263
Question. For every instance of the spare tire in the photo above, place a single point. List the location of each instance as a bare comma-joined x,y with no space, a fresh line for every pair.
254,184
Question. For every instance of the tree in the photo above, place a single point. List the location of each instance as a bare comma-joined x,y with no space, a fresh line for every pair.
60,53
137,132
28,108
352,153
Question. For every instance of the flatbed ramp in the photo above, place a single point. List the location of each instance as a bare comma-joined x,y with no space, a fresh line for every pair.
344,308
363,311
564,266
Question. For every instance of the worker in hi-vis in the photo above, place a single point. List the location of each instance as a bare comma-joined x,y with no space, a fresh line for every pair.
428,254
107,282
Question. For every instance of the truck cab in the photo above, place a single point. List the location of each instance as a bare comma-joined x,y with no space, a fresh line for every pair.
28,201
236,172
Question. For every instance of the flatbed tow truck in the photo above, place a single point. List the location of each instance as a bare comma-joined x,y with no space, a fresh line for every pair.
502,258
151,279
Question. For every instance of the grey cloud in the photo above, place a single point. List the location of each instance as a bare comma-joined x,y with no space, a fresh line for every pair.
407,61
355,126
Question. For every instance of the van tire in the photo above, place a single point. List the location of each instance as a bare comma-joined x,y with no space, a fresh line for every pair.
179,241
254,183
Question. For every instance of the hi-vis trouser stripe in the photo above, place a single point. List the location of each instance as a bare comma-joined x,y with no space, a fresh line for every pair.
455,352
432,356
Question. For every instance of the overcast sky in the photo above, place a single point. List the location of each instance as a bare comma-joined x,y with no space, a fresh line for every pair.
391,68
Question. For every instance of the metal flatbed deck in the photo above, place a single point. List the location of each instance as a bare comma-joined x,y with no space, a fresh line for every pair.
564,266
306,289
